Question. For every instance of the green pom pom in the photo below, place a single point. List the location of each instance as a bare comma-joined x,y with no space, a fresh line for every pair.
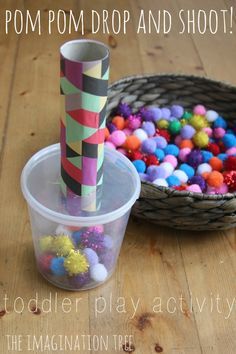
187,115
45,243
174,127
62,245
76,263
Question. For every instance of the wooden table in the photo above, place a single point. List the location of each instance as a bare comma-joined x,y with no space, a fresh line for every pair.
173,292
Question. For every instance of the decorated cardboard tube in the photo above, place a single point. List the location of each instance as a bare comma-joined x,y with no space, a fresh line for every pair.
83,82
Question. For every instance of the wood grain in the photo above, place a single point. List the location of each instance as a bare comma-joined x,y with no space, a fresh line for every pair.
171,277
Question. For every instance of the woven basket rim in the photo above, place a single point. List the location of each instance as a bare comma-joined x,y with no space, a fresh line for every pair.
201,196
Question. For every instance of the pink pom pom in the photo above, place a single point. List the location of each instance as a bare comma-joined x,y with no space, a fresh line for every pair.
231,151
183,153
194,188
97,228
199,110
122,151
127,131
109,145
219,133
178,140
134,122
208,130
117,138
223,189
171,159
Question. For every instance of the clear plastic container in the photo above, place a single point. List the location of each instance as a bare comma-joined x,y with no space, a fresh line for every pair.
78,252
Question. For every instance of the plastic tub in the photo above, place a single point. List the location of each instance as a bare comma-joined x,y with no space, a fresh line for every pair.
78,252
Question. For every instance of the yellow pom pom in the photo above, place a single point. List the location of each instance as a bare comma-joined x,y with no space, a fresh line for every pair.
45,243
183,122
162,124
201,139
198,122
76,263
62,245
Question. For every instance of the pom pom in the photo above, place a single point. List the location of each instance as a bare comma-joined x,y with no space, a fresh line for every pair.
98,229
143,177
198,122
76,263
98,272
135,155
109,145
62,245
149,128
91,256
168,168
177,111
186,143
220,123
149,146
187,132
194,188
45,243
92,240
199,110
161,142
211,116
57,266
108,242
141,134
223,157
119,122
174,127
215,179
124,110
206,155
63,230
183,153
79,281
204,167
156,172
163,124
76,236
171,149
229,140
111,127
166,113
219,133
201,139
134,122
173,181
160,182
187,115
140,166
165,134
127,131
208,131
44,262
213,148
122,151
223,189
159,154
230,180
151,160
171,159
182,176
132,143
146,114
216,164
187,169
155,113
231,151
200,181
117,138
230,163
194,158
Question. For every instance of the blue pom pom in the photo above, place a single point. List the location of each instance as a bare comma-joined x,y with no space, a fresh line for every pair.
222,157
229,140
189,170
171,149
206,155
159,154
173,181
220,123
57,266
77,235
140,166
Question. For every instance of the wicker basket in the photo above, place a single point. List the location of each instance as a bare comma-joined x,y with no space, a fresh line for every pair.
161,205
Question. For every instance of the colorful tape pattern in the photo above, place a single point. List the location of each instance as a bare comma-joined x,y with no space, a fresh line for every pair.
84,96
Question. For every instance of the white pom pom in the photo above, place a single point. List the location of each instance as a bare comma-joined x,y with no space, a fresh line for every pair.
168,167
62,230
98,272
160,182
211,116
182,176
203,167
141,134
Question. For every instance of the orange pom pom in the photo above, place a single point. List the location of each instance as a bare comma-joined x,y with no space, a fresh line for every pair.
215,179
205,175
107,133
186,143
119,122
216,164
132,143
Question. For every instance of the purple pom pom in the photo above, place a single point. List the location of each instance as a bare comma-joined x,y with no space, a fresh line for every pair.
92,240
124,110
194,158
79,281
146,114
187,132
149,128
148,146
156,113
177,111
200,181
166,113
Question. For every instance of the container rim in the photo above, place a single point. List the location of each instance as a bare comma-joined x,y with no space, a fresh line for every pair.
69,220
